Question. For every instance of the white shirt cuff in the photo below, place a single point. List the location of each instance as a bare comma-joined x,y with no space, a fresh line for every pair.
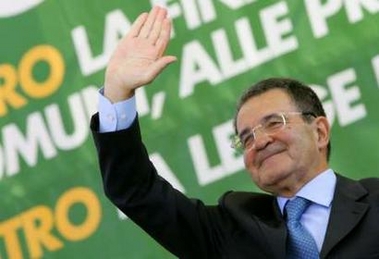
116,116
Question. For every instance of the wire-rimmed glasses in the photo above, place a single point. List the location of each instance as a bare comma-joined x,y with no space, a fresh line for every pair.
269,125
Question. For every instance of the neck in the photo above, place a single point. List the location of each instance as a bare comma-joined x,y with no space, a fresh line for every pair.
291,186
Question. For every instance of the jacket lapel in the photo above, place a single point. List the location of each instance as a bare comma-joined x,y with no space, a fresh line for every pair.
259,215
275,233
347,211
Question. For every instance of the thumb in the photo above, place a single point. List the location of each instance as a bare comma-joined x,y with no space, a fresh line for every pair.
159,65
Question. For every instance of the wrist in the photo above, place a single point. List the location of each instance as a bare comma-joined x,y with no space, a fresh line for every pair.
115,95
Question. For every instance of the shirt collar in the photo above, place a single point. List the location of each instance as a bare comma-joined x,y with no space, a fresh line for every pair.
319,190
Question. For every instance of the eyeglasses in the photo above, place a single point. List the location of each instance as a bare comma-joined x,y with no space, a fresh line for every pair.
269,125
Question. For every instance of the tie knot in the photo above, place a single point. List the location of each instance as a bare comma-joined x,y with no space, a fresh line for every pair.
295,208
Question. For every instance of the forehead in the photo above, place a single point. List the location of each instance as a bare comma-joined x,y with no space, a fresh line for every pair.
275,100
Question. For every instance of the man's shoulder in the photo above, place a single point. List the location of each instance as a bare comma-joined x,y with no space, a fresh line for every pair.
364,186
370,182
249,203
245,197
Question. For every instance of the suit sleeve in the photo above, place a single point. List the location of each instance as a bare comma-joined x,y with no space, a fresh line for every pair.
184,226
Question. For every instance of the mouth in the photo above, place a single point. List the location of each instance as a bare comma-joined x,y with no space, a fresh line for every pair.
264,155
268,157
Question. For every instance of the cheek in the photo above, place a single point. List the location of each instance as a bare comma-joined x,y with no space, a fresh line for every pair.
302,146
248,158
249,165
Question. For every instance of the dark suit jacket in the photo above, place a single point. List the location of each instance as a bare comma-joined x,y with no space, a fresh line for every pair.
242,225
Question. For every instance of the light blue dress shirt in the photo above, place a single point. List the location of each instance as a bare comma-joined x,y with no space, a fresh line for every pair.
320,190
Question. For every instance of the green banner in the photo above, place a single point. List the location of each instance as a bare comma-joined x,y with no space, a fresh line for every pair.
52,60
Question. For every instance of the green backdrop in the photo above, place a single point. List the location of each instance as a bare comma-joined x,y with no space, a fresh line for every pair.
52,60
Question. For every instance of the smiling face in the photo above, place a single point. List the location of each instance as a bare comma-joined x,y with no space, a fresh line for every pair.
283,162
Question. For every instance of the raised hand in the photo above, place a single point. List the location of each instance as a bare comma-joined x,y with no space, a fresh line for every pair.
139,57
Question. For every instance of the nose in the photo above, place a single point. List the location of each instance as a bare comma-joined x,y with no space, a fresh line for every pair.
261,139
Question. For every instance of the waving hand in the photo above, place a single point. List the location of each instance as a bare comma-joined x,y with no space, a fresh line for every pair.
139,57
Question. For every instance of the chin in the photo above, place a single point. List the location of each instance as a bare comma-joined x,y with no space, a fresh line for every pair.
271,179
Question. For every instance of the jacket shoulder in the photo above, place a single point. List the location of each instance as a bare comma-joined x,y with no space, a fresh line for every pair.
370,183
365,188
372,186
259,205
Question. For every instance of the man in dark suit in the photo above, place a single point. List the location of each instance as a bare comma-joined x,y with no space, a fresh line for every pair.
282,130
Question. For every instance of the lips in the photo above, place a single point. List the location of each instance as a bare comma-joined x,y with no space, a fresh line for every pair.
267,152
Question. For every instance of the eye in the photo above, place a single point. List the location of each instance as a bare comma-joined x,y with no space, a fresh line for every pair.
273,122
248,140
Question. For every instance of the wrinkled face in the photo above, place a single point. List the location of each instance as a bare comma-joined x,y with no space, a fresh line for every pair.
281,163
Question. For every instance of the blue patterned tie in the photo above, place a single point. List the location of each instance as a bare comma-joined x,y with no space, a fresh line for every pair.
300,243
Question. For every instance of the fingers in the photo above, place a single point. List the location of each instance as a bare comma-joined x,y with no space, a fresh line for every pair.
157,27
137,25
146,23
164,36
153,17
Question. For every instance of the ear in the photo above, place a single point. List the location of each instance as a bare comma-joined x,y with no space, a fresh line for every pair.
322,131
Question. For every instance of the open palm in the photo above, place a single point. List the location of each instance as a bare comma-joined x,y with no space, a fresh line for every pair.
138,58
